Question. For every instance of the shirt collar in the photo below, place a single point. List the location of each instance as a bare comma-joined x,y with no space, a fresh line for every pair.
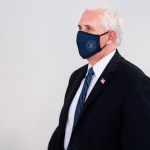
101,64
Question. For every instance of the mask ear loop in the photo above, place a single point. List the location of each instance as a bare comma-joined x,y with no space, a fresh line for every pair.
102,35
103,46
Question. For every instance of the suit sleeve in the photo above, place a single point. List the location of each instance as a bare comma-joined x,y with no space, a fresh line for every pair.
136,116
54,141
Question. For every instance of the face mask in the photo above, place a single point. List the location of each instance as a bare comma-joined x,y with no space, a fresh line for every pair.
88,44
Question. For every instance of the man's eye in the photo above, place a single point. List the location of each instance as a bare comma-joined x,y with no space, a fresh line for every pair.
88,28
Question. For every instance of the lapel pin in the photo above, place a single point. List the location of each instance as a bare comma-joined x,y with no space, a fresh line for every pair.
102,80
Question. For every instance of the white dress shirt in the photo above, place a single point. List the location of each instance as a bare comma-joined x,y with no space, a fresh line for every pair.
98,69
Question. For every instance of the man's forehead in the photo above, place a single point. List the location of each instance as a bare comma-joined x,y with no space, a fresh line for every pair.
90,16
91,13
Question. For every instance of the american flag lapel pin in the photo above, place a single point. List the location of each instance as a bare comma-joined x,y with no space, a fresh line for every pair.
102,80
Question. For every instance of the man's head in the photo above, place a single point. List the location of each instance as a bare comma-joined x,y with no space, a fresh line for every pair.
98,21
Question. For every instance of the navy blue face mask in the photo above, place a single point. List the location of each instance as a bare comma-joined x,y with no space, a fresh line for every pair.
88,44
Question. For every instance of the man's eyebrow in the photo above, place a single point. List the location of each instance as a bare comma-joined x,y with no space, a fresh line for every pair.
88,26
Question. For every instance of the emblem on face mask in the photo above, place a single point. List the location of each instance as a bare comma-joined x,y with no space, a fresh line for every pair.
91,45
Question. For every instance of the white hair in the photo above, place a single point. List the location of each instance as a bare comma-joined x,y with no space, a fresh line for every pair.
110,21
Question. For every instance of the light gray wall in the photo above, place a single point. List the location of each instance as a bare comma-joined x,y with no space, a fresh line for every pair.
37,55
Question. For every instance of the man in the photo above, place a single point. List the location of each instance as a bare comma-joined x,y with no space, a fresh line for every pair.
107,102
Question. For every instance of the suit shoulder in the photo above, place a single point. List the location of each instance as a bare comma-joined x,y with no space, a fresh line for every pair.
130,70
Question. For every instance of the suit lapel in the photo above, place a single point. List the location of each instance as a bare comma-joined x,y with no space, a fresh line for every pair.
71,94
103,80
76,85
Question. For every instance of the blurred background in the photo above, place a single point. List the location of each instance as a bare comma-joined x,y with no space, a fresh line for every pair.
38,53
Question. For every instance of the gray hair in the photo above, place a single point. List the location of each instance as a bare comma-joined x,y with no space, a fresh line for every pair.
111,21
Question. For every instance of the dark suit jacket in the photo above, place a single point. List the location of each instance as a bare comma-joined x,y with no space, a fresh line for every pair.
116,114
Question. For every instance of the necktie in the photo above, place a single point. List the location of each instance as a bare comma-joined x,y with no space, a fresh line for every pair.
82,97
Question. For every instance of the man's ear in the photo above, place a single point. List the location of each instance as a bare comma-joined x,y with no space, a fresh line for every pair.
111,37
